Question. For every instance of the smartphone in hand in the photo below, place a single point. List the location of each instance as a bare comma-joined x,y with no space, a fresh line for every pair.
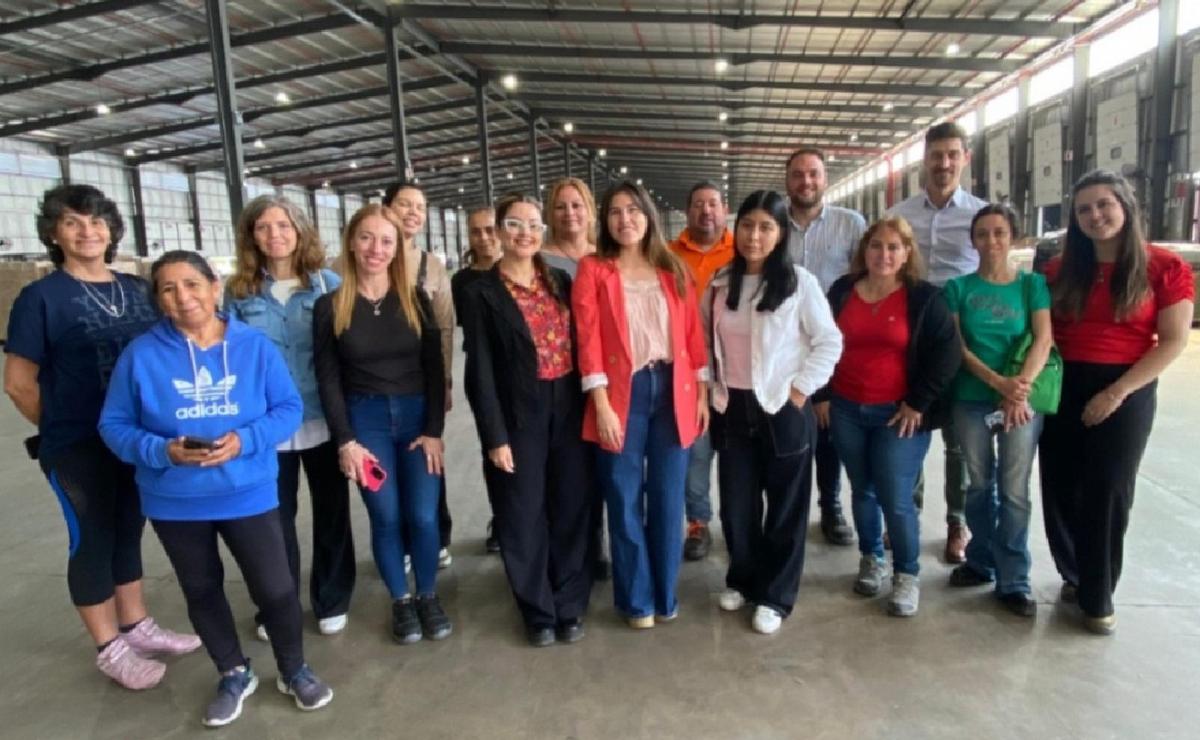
373,475
199,443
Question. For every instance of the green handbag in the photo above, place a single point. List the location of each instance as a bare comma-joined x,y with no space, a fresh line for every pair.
1047,386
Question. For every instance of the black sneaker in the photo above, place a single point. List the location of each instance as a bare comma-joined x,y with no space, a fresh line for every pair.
492,544
434,622
406,627
834,527
1020,604
964,576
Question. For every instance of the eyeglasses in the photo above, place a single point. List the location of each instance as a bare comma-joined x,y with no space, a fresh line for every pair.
516,226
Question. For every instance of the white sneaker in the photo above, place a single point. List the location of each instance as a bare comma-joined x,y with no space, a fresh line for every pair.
731,600
906,595
332,625
444,558
261,633
766,620
871,572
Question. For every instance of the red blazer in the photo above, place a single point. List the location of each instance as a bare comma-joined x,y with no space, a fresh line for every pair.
602,332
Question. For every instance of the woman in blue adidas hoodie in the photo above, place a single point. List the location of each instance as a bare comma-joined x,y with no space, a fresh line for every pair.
197,404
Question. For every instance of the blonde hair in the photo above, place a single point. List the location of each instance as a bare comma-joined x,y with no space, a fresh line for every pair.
589,202
344,296
914,266
251,263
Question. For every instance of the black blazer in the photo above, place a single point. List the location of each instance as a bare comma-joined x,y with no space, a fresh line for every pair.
501,368
934,349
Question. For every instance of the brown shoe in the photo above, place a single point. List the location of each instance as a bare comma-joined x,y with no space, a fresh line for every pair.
957,536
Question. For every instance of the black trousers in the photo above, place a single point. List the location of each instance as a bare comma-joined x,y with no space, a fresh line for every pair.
764,456
256,543
829,472
103,512
333,567
1088,477
544,509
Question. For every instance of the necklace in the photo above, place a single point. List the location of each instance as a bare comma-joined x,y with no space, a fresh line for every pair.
376,306
109,305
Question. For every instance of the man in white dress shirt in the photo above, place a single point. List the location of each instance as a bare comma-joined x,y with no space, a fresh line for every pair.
940,216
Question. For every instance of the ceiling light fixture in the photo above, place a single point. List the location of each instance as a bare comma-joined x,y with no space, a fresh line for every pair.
724,144
460,190
466,160
353,165
952,49
103,109
639,181
603,152
509,176
325,184
624,170
853,138
509,81
724,162
282,98
721,65
568,127
722,116
258,144
888,107
130,152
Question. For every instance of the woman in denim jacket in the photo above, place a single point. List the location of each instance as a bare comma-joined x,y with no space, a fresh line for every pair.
280,274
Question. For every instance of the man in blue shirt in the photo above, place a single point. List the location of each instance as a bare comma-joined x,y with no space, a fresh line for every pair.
822,239
940,216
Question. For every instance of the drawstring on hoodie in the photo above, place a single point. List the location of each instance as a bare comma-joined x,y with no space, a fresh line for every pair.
196,370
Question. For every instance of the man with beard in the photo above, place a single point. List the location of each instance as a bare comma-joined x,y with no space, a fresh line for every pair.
705,245
940,216
821,239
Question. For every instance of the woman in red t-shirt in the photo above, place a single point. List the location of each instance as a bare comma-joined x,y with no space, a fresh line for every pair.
900,352
1121,309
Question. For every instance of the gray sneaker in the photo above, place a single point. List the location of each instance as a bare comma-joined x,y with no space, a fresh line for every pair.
310,692
871,572
906,595
231,693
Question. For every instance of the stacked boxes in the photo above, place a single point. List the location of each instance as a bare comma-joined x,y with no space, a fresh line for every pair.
13,277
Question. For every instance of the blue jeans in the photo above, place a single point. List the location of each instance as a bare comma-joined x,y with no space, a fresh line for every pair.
408,499
882,467
643,487
697,501
998,503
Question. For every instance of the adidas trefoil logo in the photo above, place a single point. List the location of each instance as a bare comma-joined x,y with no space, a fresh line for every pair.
208,397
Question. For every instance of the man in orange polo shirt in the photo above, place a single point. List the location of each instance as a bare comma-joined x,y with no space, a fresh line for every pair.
706,245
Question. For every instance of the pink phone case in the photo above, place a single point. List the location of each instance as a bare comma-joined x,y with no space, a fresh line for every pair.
373,475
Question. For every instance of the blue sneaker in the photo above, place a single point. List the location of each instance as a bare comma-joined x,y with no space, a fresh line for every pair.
310,692
231,693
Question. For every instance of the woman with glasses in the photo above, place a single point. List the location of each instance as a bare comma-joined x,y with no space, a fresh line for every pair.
524,389
643,362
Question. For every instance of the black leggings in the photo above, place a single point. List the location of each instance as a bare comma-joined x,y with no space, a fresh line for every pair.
100,503
333,567
1088,477
256,543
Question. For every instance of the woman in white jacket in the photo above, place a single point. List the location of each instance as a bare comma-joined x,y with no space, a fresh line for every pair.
773,344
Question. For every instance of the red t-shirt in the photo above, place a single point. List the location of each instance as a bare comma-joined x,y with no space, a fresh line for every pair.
875,337
1097,336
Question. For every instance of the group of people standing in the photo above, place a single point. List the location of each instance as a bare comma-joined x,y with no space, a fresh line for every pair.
605,369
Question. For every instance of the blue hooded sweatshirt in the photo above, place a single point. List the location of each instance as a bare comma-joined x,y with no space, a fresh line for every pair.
164,387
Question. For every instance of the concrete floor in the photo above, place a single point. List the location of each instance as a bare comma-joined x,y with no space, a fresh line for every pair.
839,668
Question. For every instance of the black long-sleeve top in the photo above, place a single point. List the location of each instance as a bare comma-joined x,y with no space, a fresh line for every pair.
377,355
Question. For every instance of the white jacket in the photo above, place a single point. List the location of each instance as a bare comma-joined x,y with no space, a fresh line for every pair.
795,346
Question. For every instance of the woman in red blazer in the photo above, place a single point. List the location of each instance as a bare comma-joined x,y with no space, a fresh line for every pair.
642,358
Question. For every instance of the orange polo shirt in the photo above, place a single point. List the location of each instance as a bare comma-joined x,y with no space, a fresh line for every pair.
704,263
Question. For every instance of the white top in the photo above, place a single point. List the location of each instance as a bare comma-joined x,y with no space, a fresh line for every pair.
281,290
734,328
795,346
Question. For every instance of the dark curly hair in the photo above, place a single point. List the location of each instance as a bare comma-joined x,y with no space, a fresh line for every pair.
83,199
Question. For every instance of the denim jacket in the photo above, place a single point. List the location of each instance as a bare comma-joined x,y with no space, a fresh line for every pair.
290,328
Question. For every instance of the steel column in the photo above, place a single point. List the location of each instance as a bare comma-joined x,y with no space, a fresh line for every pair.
566,159
404,170
1163,107
485,155
534,160
592,171
227,114
1020,156
460,216
342,218
194,203
1079,114
63,152
139,212
312,206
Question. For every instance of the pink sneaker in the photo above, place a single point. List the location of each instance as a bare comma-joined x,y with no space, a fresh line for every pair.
147,638
119,662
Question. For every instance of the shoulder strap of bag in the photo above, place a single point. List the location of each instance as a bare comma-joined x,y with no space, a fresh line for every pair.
421,269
